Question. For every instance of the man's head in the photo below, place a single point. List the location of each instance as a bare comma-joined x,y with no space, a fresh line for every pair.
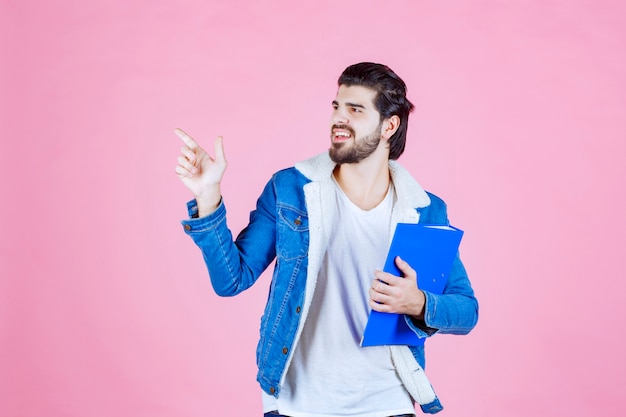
389,98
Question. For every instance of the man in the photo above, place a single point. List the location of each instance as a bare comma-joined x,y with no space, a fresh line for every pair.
328,223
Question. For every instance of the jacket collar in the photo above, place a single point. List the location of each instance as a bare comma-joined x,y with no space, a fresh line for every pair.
320,168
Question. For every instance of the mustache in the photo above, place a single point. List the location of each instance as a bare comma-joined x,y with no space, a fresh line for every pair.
343,127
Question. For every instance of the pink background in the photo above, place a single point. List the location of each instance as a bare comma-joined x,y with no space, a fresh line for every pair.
105,304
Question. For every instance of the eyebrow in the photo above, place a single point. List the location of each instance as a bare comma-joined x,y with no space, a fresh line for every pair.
360,106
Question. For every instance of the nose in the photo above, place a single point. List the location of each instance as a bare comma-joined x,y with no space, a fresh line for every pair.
340,116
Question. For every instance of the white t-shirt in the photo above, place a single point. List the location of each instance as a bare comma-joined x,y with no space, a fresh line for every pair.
330,374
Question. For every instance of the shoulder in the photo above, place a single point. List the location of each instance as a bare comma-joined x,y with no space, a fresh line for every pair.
315,168
436,202
287,188
434,213
290,177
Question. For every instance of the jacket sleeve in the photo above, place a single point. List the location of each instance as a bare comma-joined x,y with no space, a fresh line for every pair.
456,310
235,266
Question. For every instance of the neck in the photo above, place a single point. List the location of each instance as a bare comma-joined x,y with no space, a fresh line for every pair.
365,183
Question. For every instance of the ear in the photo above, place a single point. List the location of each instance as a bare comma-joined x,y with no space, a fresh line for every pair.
389,127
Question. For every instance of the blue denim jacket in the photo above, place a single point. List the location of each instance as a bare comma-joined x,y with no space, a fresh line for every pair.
290,226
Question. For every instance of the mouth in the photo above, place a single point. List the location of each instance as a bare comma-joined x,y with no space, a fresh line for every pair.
341,133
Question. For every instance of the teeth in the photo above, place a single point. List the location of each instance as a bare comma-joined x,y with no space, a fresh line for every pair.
342,134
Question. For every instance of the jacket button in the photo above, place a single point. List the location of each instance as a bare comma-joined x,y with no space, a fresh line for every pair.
187,227
285,350
272,390
297,221
298,309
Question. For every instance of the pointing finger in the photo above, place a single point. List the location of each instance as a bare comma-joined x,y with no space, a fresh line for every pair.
186,138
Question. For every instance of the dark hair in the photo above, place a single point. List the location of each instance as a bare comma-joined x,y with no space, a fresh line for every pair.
390,97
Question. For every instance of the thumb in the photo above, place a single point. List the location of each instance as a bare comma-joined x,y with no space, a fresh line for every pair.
405,268
219,149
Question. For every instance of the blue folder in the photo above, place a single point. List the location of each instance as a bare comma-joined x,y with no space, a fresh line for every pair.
430,250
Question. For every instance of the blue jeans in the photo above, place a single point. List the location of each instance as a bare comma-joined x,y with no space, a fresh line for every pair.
275,414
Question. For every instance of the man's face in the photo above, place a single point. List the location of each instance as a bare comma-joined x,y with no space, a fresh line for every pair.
355,125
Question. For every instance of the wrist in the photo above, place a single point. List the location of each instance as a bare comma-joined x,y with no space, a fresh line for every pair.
208,202
420,309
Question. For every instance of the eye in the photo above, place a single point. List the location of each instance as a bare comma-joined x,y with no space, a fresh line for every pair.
355,110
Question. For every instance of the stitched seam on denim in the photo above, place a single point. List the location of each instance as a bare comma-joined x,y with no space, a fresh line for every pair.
212,225
264,349
280,313
290,207
289,224
301,233
221,246
434,313
292,258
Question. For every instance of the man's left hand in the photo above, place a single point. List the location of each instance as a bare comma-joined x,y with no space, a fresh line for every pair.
392,294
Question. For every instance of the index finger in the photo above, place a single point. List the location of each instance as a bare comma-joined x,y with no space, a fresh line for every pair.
386,278
186,138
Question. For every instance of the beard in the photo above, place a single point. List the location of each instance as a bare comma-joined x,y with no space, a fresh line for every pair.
355,152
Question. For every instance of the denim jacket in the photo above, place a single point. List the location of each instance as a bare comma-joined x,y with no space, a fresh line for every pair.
291,225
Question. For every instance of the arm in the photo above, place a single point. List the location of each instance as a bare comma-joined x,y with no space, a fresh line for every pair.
455,311
233,265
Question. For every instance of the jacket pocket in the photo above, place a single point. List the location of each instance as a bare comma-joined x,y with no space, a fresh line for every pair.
293,233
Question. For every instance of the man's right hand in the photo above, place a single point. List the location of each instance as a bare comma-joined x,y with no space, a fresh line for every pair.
201,173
